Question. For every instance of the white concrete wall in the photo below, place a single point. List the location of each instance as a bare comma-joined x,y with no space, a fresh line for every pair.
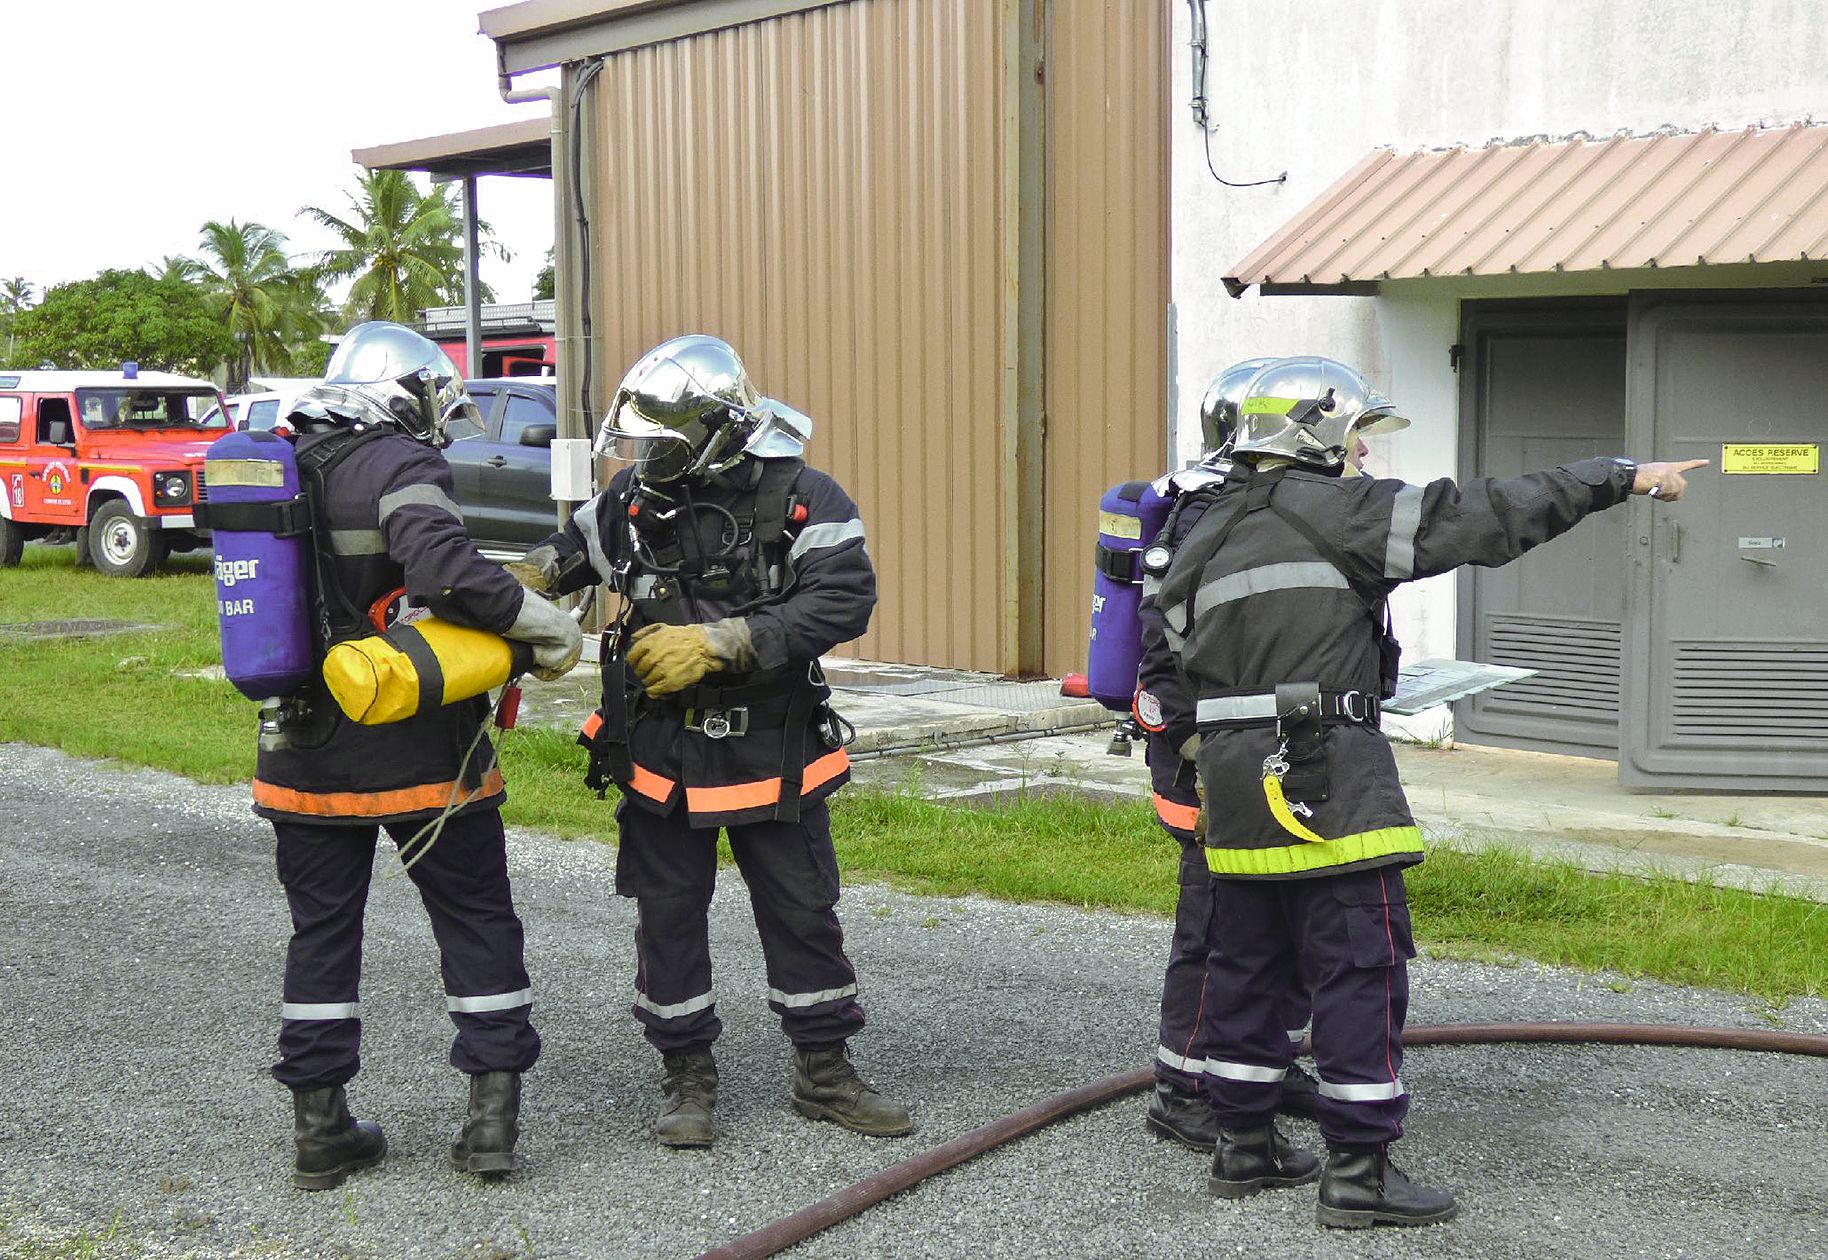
1312,86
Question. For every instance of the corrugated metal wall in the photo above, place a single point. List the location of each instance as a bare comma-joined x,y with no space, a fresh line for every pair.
825,191
1106,286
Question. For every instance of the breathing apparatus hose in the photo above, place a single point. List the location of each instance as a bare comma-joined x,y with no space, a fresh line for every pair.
856,1198
434,826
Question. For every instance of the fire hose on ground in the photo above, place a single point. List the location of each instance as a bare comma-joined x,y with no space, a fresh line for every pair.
858,1197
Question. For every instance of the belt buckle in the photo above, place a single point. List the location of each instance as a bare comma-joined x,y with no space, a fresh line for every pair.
721,723
1347,699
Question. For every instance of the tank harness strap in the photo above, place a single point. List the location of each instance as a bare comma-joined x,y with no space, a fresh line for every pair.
807,696
337,614
288,518
775,507
610,760
1256,496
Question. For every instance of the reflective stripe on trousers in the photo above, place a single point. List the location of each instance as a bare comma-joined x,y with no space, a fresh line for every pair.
797,1000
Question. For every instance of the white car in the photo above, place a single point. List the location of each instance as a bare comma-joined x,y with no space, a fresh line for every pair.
262,410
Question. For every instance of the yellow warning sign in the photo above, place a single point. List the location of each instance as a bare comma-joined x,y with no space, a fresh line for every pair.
1767,457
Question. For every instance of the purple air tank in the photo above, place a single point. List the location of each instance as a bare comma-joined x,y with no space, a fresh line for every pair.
1129,517
263,583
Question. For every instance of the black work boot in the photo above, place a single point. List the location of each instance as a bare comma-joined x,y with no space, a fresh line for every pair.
486,1143
1179,1115
690,1086
1248,1160
1300,1095
1363,1188
827,1087
330,1143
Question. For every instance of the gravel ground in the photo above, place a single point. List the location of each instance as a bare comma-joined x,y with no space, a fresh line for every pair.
143,931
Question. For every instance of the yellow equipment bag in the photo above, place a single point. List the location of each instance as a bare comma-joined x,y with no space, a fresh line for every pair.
417,666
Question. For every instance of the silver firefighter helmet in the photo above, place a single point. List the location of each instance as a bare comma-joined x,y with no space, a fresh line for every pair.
1219,408
385,373
688,409
1307,409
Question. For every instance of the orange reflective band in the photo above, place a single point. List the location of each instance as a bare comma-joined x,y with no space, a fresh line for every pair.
372,804
824,770
1181,817
735,796
592,725
653,786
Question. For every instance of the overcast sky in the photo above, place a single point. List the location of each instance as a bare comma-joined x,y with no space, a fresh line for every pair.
128,123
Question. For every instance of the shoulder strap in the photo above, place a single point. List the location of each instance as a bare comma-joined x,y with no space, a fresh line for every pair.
1373,603
1256,497
337,615
773,497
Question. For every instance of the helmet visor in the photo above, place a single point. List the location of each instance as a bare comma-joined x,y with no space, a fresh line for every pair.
659,453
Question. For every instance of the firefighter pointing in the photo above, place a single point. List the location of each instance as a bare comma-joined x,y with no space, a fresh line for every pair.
739,566
1275,607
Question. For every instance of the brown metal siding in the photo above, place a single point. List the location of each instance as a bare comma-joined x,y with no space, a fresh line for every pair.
1759,195
1106,285
825,191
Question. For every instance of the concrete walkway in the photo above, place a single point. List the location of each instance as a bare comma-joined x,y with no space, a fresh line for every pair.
965,736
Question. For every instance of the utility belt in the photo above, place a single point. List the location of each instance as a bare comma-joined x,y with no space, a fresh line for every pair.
786,699
1222,710
729,712
1295,774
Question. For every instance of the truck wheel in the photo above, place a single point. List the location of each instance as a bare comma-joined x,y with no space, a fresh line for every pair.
82,549
122,544
12,543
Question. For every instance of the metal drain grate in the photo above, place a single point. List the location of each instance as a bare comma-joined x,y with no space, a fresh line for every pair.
72,629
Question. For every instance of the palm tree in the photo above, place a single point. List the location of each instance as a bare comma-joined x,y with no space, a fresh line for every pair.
402,247
257,294
15,296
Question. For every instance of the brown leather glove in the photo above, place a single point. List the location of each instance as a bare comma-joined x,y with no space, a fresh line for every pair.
671,658
538,570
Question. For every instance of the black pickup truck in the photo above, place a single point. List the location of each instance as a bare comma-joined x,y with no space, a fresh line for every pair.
503,470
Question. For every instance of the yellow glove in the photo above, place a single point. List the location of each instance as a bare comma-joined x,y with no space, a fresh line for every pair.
671,658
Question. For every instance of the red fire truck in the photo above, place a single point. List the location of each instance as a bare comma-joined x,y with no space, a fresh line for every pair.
110,460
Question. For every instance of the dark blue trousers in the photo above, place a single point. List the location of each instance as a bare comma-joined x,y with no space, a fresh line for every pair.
670,869
1346,939
463,882
1180,1055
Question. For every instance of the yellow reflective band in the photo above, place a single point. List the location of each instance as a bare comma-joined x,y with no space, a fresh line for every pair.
266,473
1267,406
1291,858
1279,810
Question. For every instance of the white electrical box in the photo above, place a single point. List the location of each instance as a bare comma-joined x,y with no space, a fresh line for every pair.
571,472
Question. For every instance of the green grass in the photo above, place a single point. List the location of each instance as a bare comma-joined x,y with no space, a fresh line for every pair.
122,697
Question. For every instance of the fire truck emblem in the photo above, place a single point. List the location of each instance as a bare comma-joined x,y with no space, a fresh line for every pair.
55,476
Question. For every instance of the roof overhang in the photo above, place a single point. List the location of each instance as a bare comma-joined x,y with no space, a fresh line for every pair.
540,34
514,148
1628,202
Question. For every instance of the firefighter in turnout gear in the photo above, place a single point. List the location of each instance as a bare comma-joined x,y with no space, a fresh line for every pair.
384,519
1275,608
738,566
1178,1109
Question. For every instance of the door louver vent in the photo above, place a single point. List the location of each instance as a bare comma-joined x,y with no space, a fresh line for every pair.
1577,664
1739,694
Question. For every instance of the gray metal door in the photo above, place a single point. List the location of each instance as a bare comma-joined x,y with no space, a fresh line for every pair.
1727,651
1542,386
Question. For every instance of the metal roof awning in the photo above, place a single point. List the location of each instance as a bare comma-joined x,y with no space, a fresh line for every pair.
1707,198
540,34
523,147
